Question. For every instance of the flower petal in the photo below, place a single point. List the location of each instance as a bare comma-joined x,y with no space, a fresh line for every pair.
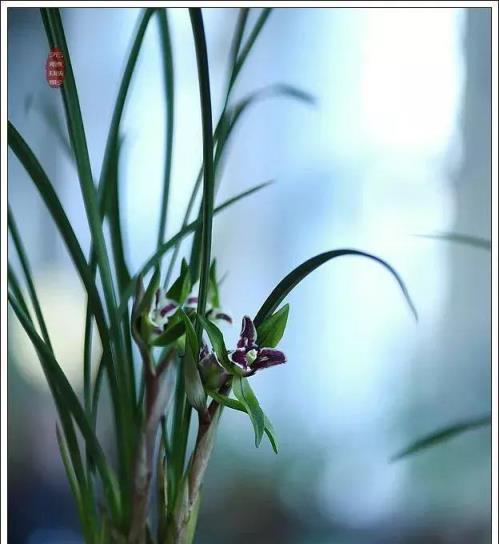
168,309
239,358
204,352
191,302
223,317
268,357
247,335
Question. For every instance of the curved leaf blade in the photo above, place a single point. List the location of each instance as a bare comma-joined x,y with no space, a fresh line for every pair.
191,227
239,406
286,285
171,334
168,76
244,394
464,239
71,402
54,206
270,332
442,435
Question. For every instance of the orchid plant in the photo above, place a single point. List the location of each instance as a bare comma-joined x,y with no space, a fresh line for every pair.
173,324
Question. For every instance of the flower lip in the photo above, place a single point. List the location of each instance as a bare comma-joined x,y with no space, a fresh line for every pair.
162,309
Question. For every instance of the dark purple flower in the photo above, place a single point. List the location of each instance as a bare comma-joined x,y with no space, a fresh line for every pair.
249,356
163,308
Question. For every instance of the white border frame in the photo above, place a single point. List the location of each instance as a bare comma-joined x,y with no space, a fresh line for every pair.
3,192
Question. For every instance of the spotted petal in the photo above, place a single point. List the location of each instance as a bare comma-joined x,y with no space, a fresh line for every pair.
268,357
238,357
247,335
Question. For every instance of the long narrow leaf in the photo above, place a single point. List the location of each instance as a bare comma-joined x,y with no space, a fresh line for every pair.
109,192
226,126
158,255
167,56
260,23
49,196
72,403
15,286
464,239
56,36
235,47
119,106
66,421
23,259
442,435
286,285
81,503
208,170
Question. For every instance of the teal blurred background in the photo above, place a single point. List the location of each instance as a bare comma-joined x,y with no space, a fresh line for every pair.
398,144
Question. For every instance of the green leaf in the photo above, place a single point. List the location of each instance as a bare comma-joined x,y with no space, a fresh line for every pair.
158,255
112,137
114,216
193,385
52,117
227,401
168,71
234,114
170,335
208,168
80,500
51,201
108,193
270,332
464,239
70,474
235,46
245,395
213,293
16,289
49,197
245,51
55,35
71,402
217,341
240,407
225,129
146,301
270,432
181,287
73,452
23,259
286,285
441,435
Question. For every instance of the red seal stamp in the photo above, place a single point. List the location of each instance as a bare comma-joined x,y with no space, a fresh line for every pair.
54,68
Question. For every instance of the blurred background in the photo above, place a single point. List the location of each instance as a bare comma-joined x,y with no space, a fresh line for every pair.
397,144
